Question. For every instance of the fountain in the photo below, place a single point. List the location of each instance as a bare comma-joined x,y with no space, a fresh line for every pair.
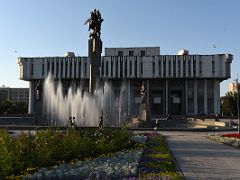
79,107
87,108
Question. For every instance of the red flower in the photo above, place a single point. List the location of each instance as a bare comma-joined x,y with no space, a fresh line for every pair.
235,135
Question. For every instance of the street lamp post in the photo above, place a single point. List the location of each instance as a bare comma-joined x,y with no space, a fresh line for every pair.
236,80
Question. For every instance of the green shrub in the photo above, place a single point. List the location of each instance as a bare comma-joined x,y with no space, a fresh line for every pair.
27,153
48,146
5,154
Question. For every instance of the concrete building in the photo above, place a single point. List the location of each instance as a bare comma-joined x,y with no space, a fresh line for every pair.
183,84
14,94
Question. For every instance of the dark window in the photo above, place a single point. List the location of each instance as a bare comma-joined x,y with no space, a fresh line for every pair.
66,68
75,69
52,67
79,68
135,68
70,69
121,68
153,67
179,67
43,69
169,68
61,69
141,64
85,69
213,67
106,68
200,67
131,53
125,69
143,53
189,67
174,68
57,69
120,53
184,68
164,67
159,68
102,67
130,68
32,69
111,68
194,67
116,68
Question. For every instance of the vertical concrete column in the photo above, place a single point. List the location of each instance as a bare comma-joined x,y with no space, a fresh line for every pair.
148,93
205,96
128,66
129,97
181,65
166,96
54,67
77,72
114,67
191,66
197,65
64,69
110,99
167,68
176,65
216,96
195,97
138,67
186,97
31,98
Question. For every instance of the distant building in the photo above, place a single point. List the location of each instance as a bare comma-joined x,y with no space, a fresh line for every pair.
183,84
14,94
232,87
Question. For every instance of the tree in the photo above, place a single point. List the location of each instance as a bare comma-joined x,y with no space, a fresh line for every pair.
229,104
8,107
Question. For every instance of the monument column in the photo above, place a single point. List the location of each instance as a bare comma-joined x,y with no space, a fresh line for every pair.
94,55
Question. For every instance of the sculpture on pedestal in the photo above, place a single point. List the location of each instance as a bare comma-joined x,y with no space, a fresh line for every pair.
94,48
144,116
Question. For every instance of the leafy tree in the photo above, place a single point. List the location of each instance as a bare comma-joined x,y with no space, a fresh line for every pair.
8,107
229,104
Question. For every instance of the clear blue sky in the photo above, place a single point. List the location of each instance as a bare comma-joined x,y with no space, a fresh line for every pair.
52,27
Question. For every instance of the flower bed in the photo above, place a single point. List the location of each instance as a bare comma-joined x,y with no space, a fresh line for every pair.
27,153
226,139
157,161
111,154
119,165
236,135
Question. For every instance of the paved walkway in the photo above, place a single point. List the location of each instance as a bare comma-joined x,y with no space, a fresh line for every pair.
201,158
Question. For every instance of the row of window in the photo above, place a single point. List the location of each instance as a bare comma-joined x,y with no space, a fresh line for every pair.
69,68
175,68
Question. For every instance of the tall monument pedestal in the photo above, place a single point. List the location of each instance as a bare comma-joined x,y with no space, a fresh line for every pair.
94,55
144,117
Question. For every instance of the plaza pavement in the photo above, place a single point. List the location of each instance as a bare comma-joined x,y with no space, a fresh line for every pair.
202,158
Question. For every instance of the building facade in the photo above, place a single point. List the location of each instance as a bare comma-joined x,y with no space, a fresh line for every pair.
14,94
183,84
